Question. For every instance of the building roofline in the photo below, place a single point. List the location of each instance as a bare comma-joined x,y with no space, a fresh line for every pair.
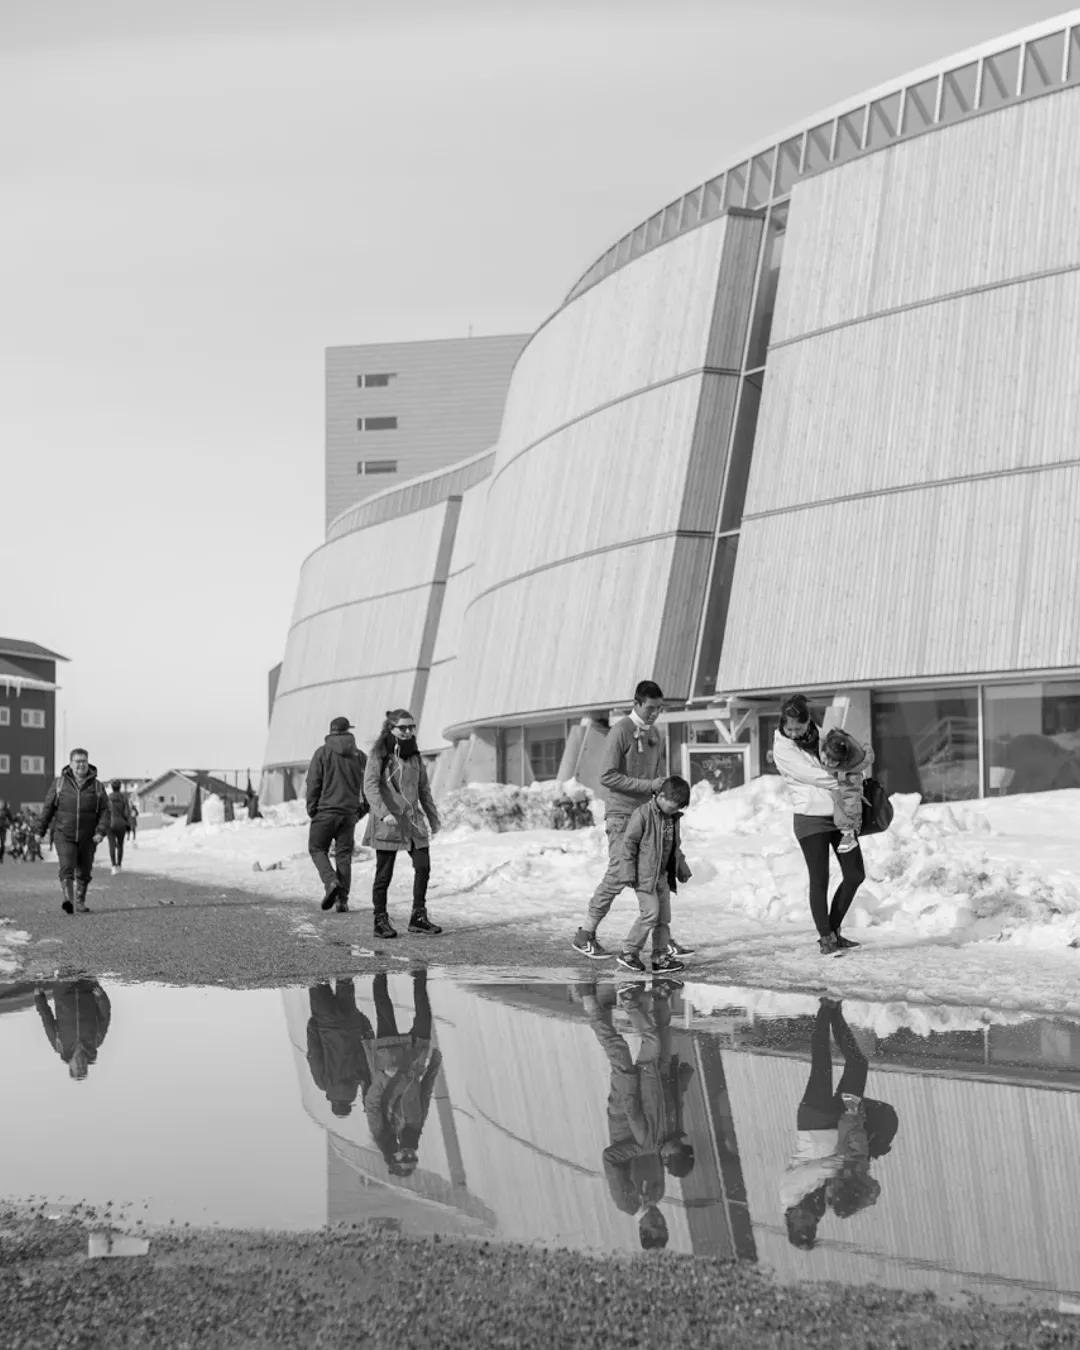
424,342
16,647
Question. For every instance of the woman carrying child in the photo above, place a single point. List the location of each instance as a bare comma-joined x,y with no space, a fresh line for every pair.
827,812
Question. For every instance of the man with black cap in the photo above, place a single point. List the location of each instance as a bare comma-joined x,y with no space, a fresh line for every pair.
335,802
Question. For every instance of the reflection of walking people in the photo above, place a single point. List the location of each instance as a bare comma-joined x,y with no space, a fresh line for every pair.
403,1070
335,802
336,1055
629,775
78,1026
403,819
813,795
119,824
644,1107
77,809
839,1132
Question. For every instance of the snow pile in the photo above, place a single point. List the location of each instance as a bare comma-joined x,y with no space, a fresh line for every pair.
497,807
11,939
762,806
279,834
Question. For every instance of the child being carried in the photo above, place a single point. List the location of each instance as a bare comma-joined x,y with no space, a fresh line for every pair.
850,762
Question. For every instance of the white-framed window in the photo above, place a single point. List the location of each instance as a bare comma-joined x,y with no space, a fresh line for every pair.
5,763
33,717
5,717
32,764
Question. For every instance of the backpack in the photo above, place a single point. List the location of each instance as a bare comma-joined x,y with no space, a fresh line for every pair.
877,810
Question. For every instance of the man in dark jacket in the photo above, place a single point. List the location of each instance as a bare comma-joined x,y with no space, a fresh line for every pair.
119,824
80,1022
335,802
77,809
336,1032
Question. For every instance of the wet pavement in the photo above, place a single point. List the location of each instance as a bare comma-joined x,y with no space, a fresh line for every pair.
600,1117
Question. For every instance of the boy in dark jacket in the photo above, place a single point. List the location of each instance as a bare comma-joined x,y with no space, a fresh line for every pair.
652,862
335,802
77,808
119,824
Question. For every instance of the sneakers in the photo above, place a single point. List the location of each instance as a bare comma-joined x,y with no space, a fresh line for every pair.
631,961
676,949
383,927
845,943
114,871
828,945
664,988
666,964
420,923
331,897
847,842
587,945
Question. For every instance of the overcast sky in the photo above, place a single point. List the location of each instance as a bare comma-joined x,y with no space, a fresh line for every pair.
199,196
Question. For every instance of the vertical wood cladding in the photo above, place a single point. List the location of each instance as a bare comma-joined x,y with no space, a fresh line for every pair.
447,396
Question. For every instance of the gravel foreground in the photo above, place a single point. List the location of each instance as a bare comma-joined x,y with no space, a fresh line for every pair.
352,1288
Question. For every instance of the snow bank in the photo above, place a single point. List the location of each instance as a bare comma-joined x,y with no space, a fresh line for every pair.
11,939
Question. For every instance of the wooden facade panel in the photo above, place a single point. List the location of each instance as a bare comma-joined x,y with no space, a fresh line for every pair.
687,586
300,721
647,323
971,205
384,558
973,385
581,633
970,577
380,635
734,291
703,475
614,476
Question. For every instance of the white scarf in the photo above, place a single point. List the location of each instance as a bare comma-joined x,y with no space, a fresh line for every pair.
640,728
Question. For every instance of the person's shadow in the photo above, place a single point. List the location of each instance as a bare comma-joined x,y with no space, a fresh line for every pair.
839,1133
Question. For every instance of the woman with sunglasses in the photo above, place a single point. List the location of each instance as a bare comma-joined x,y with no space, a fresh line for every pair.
403,818
813,788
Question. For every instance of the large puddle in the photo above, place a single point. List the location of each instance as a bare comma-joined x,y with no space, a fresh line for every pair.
600,1117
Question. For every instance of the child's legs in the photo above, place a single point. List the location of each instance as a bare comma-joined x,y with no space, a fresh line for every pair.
661,933
648,916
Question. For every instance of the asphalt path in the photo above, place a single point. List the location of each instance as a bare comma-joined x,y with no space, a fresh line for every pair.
144,927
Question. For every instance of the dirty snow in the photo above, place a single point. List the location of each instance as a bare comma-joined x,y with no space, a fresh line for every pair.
11,939
974,903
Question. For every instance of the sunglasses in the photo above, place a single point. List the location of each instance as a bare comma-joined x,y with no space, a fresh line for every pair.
405,726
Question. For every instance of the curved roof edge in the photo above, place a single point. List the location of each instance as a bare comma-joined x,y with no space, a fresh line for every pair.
675,219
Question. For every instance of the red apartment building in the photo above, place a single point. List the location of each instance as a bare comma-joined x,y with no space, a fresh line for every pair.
27,722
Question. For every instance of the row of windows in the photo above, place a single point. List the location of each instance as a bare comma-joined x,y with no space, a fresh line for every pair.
27,764
31,717
375,381
1019,72
376,424
369,466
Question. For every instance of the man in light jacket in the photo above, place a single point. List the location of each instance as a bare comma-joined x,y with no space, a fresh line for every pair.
629,775
335,802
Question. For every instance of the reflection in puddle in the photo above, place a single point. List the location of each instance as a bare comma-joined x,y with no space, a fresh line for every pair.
911,1146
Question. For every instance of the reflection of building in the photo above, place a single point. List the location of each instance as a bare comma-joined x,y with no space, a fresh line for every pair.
811,425
27,723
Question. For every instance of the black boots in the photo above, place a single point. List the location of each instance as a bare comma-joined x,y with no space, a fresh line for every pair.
80,898
68,903
420,923
383,926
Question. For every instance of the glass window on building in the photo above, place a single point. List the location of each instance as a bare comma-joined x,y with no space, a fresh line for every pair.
544,750
927,741
722,767
1032,736
5,717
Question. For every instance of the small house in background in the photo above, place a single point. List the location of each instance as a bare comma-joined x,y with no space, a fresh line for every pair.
128,785
170,794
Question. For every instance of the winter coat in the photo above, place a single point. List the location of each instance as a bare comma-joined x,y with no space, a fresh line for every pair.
848,792
81,1021
630,767
335,778
336,1052
811,785
76,811
399,788
403,1073
119,812
642,850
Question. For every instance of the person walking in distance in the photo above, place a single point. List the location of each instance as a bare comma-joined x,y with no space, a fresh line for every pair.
133,817
629,775
77,809
403,819
335,803
119,824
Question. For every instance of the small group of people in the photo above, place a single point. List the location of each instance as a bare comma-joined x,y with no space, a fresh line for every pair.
77,815
18,835
391,788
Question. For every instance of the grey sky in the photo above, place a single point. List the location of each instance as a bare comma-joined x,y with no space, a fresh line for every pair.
201,196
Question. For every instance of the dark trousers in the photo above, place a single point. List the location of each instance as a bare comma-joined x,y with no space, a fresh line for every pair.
384,871
821,1107
116,845
76,861
815,847
386,1019
331,828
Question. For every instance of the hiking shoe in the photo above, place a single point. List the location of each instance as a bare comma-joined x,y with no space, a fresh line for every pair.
828,945
676,949
331,897
383,927
587,945
665,964
845,943
420,923
631,961
114,871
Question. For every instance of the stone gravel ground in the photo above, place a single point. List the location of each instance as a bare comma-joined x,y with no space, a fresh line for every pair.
372,1289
